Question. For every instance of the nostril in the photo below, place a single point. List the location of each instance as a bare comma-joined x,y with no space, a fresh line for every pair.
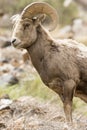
13,40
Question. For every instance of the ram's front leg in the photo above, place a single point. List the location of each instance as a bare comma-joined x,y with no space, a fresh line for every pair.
68,92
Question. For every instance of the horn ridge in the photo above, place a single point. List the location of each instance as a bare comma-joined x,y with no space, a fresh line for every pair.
41,7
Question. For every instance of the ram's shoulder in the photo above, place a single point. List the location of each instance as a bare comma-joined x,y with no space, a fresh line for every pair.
71,44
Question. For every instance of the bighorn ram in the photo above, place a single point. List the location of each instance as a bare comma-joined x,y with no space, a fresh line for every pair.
61,64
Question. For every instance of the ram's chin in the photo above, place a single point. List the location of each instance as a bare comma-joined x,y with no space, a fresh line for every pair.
19,46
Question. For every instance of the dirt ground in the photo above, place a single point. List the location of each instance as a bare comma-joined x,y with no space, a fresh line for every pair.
27,113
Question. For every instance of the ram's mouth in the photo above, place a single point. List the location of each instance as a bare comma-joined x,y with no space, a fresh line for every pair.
17,45
20,45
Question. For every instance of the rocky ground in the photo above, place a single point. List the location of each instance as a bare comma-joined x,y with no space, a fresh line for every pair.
12,63
27,113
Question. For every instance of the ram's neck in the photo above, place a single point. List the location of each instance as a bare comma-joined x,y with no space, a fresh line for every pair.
39,48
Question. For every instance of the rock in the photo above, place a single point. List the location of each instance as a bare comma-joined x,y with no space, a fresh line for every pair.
8,79
4,42
1,13
4,60
11,53
6,68
5,96
13,80
4,103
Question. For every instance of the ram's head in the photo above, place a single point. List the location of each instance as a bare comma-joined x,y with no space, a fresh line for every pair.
26,24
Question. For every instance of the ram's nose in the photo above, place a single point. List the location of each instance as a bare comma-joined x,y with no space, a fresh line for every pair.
15,42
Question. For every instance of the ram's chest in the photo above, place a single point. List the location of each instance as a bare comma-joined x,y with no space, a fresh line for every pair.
55,84
53,73
49,77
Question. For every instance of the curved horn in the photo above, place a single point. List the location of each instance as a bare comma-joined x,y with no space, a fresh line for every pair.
41,7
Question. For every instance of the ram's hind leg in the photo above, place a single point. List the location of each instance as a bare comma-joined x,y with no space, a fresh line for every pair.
69,89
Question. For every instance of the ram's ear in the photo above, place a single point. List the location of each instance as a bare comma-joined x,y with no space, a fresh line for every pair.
39,19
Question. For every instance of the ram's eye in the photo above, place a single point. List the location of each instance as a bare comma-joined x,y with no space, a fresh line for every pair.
26,25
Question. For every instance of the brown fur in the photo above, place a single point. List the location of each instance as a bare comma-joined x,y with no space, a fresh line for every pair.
61,64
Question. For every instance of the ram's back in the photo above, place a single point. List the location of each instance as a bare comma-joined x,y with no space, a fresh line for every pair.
67,59
75,52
